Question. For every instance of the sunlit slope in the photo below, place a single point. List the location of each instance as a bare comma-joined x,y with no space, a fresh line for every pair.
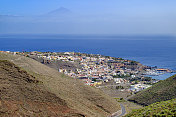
87,100
21,94
162,91
159,109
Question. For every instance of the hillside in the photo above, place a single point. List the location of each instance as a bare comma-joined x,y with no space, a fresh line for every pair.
162,91
82,99
23,95
159,109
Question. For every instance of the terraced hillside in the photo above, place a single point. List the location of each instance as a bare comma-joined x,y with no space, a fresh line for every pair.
162,91
159,109
77,97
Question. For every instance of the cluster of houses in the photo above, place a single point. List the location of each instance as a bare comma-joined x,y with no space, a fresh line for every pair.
120,81
139,87
96,69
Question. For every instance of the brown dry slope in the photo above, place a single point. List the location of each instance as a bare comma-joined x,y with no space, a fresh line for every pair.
22,95
86,100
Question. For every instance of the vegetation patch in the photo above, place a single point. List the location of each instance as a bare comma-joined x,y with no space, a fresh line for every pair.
159,109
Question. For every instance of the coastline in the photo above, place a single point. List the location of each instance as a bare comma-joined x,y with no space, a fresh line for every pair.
125,77
162,76
157,77
159,52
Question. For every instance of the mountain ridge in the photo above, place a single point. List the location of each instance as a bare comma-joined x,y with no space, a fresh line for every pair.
59,11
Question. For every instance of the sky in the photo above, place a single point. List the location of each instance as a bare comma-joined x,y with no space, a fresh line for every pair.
119,17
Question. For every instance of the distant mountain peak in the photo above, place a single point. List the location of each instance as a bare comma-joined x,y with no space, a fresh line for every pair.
60,11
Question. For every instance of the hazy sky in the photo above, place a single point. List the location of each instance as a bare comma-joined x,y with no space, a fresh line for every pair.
88,16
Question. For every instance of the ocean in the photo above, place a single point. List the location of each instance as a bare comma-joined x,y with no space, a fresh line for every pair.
152,51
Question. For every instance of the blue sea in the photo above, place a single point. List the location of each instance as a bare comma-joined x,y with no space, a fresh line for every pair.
149,50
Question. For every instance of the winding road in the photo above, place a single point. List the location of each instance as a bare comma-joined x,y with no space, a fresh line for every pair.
123,112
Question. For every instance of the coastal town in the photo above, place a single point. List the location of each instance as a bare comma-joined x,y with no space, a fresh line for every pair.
98,70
